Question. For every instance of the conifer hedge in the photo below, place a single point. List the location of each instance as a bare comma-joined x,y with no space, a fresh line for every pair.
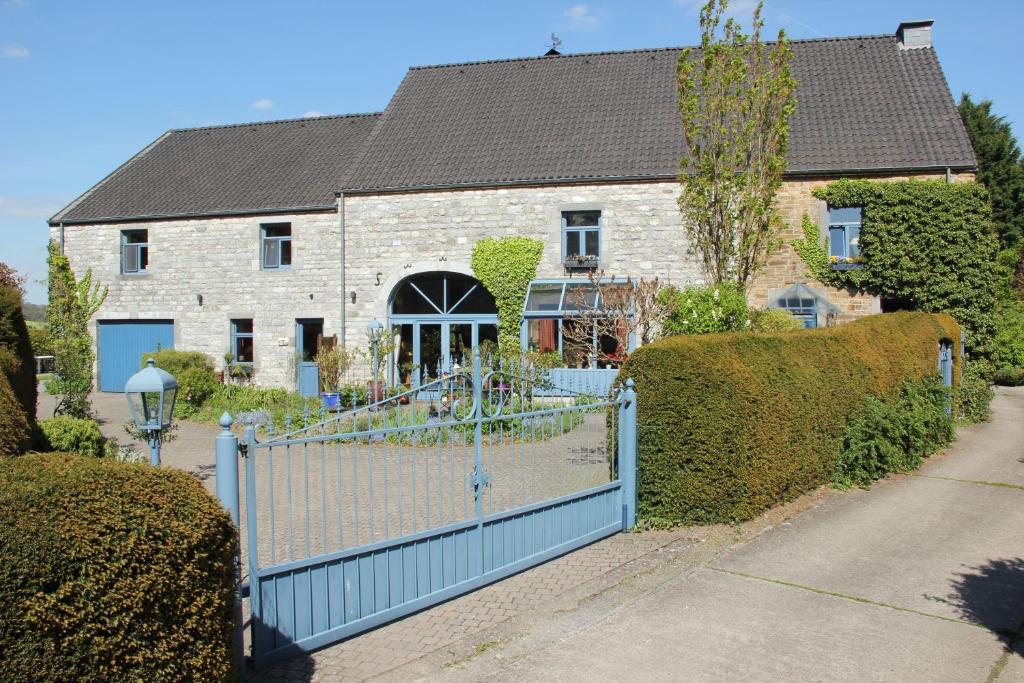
731,424
112,572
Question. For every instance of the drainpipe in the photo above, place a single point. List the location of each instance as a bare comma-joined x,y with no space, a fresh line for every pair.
340,196
949,176
60,239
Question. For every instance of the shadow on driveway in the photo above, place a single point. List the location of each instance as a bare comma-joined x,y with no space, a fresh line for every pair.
991,595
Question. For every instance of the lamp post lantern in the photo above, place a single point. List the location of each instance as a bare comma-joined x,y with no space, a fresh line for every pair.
375,333
151,393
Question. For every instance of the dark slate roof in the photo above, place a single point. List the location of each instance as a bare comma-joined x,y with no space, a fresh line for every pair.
243,168
863,104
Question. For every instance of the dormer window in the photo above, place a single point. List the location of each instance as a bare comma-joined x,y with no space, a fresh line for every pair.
581,238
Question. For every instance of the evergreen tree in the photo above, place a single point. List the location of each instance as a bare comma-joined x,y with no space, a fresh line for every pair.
999,167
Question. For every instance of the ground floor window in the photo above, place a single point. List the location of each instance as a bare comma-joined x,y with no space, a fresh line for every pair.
565,318
242,340
809,306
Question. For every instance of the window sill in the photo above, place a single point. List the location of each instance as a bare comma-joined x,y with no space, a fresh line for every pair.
847,266
274,269
580,264
142,273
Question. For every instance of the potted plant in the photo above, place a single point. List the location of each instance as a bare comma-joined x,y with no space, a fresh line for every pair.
587,261
331,364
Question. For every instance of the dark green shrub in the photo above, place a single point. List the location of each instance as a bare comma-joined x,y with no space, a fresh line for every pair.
773,320
732,424
884,436
19,367
16,432
195,387
68,434
972,396
177,362
112,572
1010,377
703,309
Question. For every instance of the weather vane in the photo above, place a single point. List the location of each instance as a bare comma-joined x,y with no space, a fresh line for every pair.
556,42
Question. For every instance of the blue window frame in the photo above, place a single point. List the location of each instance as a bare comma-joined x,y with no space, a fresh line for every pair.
276,246
134,252
803,309
844,232
242,341
581,237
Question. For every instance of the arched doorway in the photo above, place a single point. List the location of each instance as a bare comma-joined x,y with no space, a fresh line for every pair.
437,319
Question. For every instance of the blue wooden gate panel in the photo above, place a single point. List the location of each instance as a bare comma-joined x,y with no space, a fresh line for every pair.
491,484
121,343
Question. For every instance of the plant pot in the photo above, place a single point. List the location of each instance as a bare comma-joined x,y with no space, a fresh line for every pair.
374,392
330,400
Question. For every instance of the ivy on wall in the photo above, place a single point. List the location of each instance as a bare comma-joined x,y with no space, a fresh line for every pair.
505,266
925,245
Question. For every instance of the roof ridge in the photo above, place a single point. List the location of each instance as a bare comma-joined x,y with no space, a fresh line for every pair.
640,50
275,121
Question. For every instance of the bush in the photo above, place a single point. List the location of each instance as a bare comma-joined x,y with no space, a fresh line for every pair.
974,394
195,387
1010,377
894,436
773,320
72,435
732,424
39,339
112,572
16,431
18,366
177,362
703,309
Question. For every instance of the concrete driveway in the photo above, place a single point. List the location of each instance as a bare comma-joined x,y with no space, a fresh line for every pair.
919,579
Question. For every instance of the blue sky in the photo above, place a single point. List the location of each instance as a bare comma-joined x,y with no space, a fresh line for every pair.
84,85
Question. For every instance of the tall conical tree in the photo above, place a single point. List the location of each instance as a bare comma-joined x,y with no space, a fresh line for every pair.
999,167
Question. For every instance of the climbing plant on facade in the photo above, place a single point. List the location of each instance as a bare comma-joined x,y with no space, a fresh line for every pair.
925,245
505,266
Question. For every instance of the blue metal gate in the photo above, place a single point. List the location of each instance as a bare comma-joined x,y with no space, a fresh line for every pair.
121,343
383,510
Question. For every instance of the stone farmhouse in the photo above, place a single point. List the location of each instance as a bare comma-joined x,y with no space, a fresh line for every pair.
256,240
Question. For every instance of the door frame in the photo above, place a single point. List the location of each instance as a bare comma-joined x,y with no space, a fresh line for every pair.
300,323
445,322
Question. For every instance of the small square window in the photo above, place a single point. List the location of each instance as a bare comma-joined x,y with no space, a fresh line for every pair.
276,246
134,252
581,238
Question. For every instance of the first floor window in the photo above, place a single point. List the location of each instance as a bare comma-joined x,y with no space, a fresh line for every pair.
241,340
134,252
276,243
581,237
844,233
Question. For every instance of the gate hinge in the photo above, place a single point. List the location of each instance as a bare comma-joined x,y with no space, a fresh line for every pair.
479,479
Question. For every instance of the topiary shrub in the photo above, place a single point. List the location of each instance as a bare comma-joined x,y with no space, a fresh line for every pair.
19,366
112,572
1009,377
177,362
702,309
884,436
731,424
72,435
773,320
16,432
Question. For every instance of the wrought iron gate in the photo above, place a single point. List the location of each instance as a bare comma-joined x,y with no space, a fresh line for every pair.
383,510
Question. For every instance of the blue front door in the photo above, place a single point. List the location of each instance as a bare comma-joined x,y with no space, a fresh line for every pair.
308,333
121,345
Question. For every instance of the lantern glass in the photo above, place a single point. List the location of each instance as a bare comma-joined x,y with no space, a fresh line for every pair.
167,407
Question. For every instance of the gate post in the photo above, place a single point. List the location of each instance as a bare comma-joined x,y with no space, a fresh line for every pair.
627,454
227,492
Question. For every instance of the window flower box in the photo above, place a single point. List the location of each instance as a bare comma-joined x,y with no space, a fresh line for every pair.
846,263
580,261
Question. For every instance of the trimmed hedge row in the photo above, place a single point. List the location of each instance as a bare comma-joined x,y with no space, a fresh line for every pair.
112,572
731,424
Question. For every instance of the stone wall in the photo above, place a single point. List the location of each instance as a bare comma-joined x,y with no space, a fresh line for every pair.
219,258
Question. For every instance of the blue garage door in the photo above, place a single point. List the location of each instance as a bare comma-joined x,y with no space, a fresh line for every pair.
122,343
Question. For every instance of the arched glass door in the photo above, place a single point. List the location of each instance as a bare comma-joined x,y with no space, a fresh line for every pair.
437,320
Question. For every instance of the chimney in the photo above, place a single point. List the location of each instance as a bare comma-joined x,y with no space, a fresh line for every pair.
912,34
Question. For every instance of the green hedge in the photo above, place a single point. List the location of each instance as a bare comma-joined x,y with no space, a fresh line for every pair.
177,362
18,366
112,572
731,424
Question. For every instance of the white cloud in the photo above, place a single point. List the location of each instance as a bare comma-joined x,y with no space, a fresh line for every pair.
262,104
582,18
32,207
14,51
312,114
